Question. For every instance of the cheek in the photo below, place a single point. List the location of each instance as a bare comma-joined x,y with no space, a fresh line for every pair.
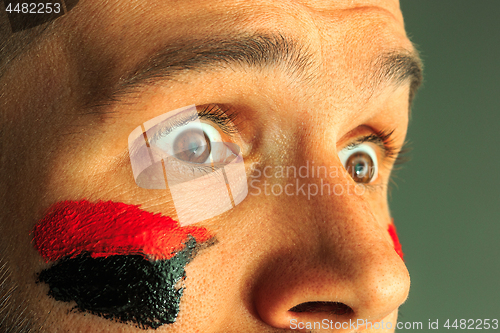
395,239
116,261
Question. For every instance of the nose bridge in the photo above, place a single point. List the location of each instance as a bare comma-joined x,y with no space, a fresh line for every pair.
350,230
338,215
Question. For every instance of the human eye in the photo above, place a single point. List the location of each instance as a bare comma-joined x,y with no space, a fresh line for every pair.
183,144
198,143
365,158
361,162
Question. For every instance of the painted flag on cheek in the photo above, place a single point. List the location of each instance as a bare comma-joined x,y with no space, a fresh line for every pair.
116,260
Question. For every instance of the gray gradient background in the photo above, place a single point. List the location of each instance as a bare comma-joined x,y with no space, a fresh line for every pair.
447,201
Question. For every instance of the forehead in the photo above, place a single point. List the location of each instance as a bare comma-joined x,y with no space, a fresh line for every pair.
342,39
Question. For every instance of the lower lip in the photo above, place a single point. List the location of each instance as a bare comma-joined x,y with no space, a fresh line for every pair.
116,260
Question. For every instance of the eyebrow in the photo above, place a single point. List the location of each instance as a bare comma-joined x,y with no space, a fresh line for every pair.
398,67
256,51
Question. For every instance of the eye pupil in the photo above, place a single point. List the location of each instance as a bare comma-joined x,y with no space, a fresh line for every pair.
359,169
192,146
360,166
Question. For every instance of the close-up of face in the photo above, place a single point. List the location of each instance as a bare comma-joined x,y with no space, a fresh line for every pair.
211,166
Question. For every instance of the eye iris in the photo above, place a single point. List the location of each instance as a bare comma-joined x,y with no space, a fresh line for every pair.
360,167
192,146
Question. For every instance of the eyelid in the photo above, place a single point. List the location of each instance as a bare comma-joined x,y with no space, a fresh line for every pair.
224,118
170,124
384,140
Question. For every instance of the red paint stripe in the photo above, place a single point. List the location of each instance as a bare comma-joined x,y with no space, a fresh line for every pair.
395,239
109,228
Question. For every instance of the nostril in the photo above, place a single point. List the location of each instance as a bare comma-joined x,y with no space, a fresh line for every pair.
330,307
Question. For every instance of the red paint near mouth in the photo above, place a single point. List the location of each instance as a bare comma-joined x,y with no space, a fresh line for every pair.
110,228
395,239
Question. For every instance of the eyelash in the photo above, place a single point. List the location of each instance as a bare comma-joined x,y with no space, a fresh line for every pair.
224,117
385,140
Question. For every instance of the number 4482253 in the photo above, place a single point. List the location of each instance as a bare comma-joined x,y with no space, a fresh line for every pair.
34,8
471,324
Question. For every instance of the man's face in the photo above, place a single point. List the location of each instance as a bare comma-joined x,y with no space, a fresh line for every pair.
312,84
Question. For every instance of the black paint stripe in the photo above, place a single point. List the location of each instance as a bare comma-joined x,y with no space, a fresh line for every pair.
126,288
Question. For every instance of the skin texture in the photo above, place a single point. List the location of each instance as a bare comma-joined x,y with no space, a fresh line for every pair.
273,252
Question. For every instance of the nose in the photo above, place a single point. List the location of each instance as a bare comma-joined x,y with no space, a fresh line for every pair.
336,266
